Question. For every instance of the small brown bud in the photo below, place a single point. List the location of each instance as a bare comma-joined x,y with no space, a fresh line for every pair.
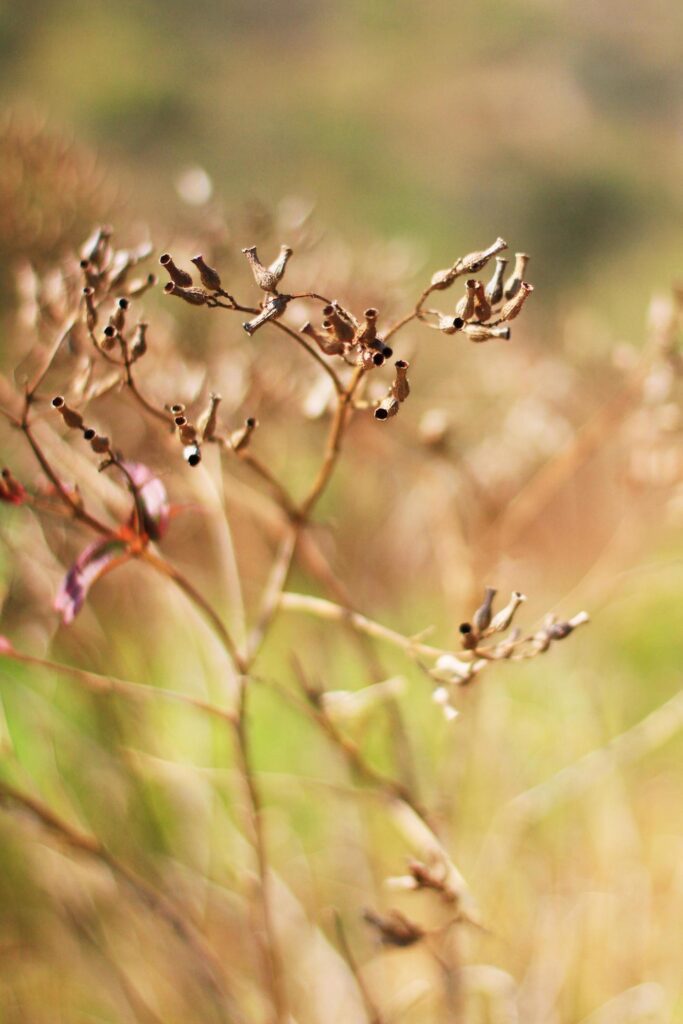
469,636
108,339
178,276
209,276
479,332
494,289
387,408
401,388
465,307
195,296
517,276
274,308
513,308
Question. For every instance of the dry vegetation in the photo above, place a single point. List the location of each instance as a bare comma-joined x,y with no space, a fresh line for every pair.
240,781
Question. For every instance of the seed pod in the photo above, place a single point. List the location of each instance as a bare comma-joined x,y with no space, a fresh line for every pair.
178,409
90,308
207,421
494,289
178,276
476,261
341,323
274,308
478,332
502,619
449,324
387,408
517,276
443,279
99,444
89,273
239,439
188,433
482,617
118,317
482,306
367,332
267,278
139,342
513,307
195,296
327,344
108,339
401,388
465,307
469,636
72,418
209,276
192,454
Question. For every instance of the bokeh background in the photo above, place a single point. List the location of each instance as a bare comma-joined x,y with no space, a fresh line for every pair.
382,139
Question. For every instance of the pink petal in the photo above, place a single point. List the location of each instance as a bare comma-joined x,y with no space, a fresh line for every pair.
153,498
88,567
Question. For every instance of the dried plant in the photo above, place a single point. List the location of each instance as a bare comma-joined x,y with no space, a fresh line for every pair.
92,372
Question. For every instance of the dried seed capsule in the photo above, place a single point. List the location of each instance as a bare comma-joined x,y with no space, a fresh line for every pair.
274,308
449,324
513,308
192,454
267,278
517,276
401,388
139,343
108,339
72,418
341,323
478,332
239,439
207,421
482,306
469,636
482,617
476,261
209,276
195,296
99,444
494,289
465,307
118,317
90,308
367,332
502,619
178,276
387,408
326,343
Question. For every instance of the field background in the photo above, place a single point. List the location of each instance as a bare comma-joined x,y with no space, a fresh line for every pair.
415,132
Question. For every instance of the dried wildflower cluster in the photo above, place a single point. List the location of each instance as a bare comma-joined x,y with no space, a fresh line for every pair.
483,641
101,348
